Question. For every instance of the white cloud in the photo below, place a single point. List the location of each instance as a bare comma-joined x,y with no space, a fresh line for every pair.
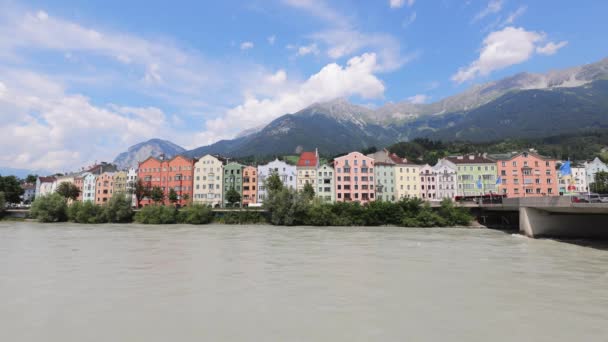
44,127
494,6
400,3
271,39
514,15
550,48
332,81
278,77
308,49
504,48
418,99
246,45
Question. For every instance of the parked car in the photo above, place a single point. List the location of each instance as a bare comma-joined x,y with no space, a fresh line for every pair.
587,198
604,198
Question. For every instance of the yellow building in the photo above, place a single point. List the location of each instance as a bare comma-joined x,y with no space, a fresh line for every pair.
120,183
407,178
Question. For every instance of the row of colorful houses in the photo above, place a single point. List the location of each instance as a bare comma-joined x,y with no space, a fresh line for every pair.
352,177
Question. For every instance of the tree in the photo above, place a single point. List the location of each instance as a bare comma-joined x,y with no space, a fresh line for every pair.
68,190
273,183
233,197
118,209
50,208
173,198
140,191
31,179
2,203
12,189
186,197
157,195
308,192
600,183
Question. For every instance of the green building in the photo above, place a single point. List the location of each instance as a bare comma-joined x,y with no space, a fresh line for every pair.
385,181
233,179
476,174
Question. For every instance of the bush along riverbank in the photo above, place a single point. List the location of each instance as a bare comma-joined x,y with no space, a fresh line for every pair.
284,207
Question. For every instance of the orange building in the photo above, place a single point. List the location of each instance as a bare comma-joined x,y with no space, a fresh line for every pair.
175,173
79,182
250,192
527,174
103,188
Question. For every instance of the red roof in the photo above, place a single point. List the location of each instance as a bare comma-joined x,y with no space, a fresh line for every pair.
398,160
308,159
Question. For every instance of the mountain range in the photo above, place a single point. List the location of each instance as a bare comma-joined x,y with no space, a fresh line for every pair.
524,105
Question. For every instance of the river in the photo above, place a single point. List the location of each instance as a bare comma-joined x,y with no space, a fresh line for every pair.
67,282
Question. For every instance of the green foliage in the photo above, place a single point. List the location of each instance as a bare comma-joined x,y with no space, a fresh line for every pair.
242,217
2,203
12,189
156,214
308,191
50,208
273,183
287,207
454,216
196,214
31,179
320,214
157,195
233,197
118,209
90,213
600,183
140,191
68,190
382,213
173,196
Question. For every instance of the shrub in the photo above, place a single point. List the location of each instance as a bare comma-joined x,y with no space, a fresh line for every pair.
242,217
153,214
196,214
118,209
50,208
2,203
454,215
320,214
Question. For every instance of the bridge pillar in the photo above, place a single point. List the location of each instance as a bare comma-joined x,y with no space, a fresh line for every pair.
534,222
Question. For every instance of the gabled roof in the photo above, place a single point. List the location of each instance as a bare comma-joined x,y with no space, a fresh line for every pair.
396,159
308,159
49,179
509,156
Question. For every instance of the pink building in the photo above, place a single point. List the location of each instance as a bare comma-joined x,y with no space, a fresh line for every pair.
527,174
354,178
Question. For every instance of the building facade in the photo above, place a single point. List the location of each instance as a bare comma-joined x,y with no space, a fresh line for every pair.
176,173
209,181
79,182
131,184
326,184
384,172
446,174
307,169
527,174
287,174
88,189
575,182
104,187
407,180
45,186
250,185
233,179
355,178
476,174
120,182
593,167
428,183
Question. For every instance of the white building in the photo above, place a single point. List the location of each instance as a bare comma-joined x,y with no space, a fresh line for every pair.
286,172
208,181
446,178
45,186
326,183
575,182
593,167
131,183
428,183
88,187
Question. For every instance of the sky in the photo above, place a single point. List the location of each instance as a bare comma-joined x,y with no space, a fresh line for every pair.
81,81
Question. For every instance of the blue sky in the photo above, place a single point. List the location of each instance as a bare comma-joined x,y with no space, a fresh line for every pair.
82,80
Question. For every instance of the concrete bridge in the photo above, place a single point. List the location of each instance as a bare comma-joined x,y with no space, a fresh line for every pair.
557,217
